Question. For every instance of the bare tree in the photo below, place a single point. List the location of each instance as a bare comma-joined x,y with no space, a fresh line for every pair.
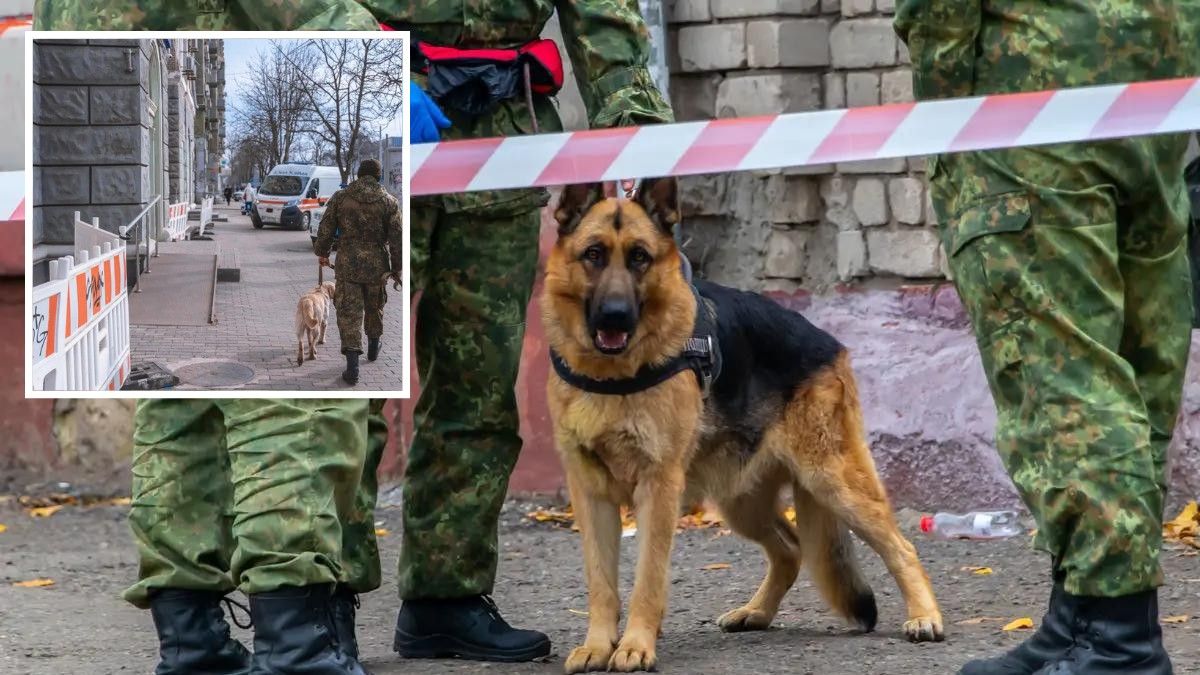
352,89
273,105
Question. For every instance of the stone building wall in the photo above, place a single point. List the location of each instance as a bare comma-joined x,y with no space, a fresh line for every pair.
91,137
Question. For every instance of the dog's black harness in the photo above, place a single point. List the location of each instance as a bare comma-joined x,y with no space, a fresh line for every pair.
701,354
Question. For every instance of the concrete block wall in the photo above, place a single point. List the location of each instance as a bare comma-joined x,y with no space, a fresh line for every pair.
804,227
91,131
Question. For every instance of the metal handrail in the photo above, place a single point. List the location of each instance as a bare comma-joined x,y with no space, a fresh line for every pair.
123,233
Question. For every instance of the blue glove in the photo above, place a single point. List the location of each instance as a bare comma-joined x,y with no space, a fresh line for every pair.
425,117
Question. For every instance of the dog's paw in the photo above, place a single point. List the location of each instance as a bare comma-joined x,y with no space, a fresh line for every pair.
924,629
743,619
633,654
587,658
300,361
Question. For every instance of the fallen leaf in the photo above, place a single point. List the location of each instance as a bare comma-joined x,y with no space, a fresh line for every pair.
1185,526
979,619
717,566
3,527
576,611
1019,624
34,583
119,501
981,571
1182,618
381,532
45,511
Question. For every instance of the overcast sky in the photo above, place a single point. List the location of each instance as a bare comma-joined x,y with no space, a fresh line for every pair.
240,56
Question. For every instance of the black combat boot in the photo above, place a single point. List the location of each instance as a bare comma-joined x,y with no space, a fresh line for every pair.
469,628
373,345
1114,636
345,604
350,375
193,637
1050,641
294,634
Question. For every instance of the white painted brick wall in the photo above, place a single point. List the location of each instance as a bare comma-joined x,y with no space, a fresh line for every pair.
712,47
790,43
863,43
905,253
737,9
747,95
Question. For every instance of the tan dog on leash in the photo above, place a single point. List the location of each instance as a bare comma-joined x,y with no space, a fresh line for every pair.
312,317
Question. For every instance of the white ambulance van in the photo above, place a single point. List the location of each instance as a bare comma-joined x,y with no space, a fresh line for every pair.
294,196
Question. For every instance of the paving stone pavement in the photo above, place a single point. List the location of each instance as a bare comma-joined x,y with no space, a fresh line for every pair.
255,318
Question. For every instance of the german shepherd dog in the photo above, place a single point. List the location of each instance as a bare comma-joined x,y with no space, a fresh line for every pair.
782,413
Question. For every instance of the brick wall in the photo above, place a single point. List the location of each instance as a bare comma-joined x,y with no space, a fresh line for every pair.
806,227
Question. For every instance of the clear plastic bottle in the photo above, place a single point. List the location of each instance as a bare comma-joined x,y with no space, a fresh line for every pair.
973,525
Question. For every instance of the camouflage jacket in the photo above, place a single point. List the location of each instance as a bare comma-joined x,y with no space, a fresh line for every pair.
606,41
371,243
975,47
201,15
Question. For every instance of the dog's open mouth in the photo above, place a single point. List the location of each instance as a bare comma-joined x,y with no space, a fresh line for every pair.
611,341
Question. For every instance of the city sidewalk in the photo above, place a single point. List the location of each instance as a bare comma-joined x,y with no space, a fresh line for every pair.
252,345
80,624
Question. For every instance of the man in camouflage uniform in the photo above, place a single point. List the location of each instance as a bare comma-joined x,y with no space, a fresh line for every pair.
201,15
258,494
474,259
370,250
1072,263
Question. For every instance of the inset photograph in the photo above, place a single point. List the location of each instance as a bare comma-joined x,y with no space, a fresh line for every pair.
217,214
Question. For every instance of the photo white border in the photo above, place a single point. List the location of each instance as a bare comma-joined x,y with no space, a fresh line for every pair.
406,377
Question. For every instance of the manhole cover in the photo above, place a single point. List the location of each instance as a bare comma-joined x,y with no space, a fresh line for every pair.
215,374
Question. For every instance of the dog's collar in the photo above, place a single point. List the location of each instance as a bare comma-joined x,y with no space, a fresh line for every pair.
701,354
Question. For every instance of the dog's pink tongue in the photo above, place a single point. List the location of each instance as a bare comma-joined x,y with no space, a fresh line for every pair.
612,339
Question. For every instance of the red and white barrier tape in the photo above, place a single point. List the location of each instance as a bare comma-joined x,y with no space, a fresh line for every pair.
811,138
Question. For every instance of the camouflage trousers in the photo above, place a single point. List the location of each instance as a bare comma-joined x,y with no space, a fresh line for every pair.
253,494
359,307
475,274
1072,263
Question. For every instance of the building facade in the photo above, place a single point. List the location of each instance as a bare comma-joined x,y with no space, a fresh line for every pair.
117,125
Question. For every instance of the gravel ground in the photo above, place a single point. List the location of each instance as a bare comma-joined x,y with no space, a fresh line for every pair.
80,625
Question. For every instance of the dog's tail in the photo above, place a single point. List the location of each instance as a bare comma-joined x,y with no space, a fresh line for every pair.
309,312
828,551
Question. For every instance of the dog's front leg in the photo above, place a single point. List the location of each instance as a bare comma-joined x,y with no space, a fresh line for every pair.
656,501
599,521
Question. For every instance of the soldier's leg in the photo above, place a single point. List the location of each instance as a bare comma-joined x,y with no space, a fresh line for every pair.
470,327
296,466
348,302
477,277
360,549
181,516
1158,292
375,297
1035,239
182,506
1035,259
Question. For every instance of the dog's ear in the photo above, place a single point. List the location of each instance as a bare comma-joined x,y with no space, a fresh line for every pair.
660,199
574,202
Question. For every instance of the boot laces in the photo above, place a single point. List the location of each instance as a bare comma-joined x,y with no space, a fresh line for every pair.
230,603
492,610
